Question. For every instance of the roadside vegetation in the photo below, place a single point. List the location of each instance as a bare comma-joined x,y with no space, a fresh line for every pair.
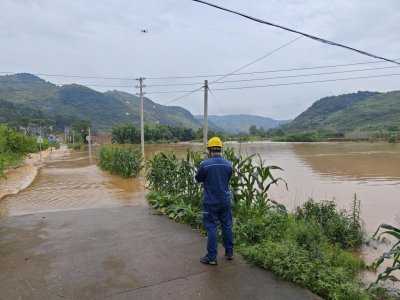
15,146
308,247
121,160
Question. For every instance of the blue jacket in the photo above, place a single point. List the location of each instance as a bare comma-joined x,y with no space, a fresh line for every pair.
215,173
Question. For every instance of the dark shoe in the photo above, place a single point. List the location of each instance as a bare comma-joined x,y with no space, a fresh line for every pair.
207,261
229,256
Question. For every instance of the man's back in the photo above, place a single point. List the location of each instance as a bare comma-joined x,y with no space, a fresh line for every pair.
215,173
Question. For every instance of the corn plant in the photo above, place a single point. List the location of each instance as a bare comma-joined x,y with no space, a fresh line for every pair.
251,182
121,160
393,254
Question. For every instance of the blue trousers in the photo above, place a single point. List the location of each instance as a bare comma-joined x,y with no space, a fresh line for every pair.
211,215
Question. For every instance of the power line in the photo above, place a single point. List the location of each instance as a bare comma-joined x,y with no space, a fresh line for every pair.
298,32
282,84
278,77
72,76
63,84
307,75
198,83
178,98
216,102
222,82
198,76
258,59
304,82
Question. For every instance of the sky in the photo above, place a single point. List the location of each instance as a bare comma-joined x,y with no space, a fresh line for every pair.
184,38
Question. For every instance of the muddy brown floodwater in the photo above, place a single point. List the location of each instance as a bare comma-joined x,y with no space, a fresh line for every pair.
70,181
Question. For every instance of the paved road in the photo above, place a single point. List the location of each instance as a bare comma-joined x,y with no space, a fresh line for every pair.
121,253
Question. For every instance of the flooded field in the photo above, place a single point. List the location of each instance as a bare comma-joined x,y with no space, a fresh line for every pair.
70,181
323,171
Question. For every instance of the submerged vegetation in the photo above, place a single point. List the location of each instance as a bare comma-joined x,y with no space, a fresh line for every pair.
117,159
307,247
393,255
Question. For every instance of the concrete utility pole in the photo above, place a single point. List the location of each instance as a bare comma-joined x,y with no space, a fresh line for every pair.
89,139
205,126
141,86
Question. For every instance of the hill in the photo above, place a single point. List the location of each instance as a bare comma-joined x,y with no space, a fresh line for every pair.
241,123
368,111
28,96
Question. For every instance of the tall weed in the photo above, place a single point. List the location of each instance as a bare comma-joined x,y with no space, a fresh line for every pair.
339,226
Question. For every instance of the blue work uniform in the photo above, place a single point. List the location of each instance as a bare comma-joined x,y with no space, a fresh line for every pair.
215,173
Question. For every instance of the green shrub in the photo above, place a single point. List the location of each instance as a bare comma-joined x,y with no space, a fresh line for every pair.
393,138
339,226
14,146
121,160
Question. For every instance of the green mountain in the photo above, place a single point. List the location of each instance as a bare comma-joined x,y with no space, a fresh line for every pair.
28,96
241,123
357,111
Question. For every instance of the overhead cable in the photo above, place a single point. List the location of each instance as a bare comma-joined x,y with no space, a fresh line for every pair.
298,32
281,84
258,59
237,70
198,76
303,82
198,83
276,77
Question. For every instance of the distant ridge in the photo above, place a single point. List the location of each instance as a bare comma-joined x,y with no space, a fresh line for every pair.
365,111
26,95
242,122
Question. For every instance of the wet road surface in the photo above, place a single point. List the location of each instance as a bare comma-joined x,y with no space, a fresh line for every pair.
121,253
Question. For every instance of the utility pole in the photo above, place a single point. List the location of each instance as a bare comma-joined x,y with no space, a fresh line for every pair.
141,86
205,126
89,139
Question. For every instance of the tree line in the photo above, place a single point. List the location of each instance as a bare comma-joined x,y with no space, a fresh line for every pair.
130,134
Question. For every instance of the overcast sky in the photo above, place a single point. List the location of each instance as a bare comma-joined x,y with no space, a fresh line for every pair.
185,38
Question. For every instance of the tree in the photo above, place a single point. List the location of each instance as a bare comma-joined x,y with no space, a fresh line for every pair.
253,130
81,127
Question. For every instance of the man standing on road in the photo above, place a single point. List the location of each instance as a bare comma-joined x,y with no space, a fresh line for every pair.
215,173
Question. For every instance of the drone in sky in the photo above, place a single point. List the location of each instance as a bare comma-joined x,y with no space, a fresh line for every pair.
144,31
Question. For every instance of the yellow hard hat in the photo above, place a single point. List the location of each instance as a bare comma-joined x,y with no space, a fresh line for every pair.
214,142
